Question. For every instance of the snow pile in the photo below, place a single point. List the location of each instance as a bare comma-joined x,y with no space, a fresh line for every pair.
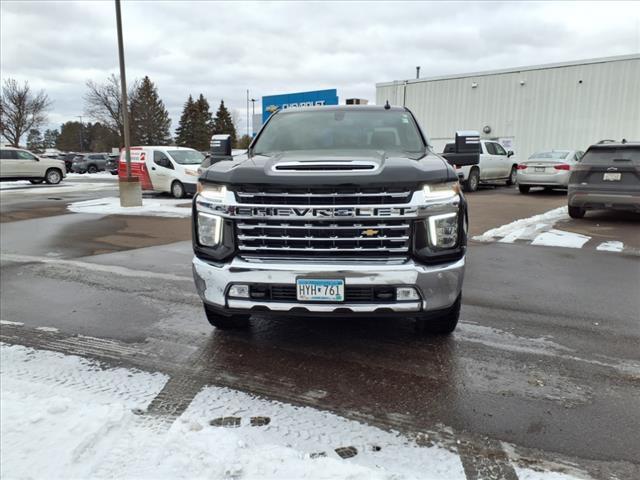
525,228
66,417
559,238
611,246
46,189
159,207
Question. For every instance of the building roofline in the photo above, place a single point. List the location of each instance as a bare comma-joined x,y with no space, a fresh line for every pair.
618,58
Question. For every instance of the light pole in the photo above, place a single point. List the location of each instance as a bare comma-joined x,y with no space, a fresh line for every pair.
248,113
81,134
130,191
253,115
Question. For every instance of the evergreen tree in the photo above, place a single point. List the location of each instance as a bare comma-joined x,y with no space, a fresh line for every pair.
50,138
73,137
184,132
244,142
150,120
203,124
223,123
34,140
102,138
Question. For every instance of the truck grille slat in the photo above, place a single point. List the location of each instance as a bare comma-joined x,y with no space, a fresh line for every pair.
328,237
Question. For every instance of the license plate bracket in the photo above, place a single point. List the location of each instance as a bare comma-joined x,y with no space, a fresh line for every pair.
320,289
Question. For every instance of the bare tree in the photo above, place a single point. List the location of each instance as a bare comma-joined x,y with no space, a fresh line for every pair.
21,110
104,103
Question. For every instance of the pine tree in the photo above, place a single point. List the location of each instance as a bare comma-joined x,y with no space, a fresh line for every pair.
223,123
150,120
184,132
203,124
50,138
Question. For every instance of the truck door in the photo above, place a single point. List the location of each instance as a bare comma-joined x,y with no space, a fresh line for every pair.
162,171
487,161
503,166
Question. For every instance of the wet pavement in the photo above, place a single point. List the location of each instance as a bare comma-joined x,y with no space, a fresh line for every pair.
544,366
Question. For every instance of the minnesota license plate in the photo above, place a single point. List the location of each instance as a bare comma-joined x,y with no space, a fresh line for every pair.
539,169
319,290
612,177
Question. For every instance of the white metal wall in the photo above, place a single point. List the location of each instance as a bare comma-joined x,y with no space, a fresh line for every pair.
551,110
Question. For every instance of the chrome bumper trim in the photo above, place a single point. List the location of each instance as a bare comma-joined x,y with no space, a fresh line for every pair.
329,308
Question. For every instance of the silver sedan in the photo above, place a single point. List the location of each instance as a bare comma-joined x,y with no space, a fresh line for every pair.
549,169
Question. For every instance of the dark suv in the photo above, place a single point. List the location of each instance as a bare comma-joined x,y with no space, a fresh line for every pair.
89,163
68,159
607,177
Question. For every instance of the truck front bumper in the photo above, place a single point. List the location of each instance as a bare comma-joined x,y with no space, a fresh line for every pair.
438,286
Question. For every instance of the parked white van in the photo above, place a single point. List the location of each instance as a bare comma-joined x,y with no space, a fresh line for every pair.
164,169
496,164
20,164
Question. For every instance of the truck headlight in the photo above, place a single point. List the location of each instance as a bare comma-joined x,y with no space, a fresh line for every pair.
441,191
212,192
443,230
209,229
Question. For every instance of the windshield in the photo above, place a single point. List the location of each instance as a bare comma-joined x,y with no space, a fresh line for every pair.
550,155
388,130
186,157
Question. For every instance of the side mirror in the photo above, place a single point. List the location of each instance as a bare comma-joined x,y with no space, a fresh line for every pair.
510,153
221,145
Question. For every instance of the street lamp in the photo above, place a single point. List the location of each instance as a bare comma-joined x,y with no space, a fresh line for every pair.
253,115
130,190
81,134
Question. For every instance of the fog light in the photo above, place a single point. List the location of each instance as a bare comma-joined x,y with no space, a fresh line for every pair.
239,291
406,293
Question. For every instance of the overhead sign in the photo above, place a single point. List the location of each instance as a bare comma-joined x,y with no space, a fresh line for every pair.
273,103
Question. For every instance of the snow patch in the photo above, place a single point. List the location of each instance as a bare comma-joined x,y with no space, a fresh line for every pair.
158,207
611,246
7,322
559,238
525,228
48,329
45,189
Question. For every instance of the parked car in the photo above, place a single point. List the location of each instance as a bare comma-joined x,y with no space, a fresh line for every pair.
164,169
495,165
607,177
20,164
67,158
549,169
112,163
89,163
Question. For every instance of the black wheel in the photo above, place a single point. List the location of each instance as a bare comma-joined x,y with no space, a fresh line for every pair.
53,176
177,189
226,322
441,322
471,184
114,172
92,169
576,212
513,176
37,181
524,188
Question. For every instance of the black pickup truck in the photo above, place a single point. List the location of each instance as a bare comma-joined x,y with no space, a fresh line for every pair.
333,211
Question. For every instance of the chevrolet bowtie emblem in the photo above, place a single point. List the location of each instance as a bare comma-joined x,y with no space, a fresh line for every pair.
370,232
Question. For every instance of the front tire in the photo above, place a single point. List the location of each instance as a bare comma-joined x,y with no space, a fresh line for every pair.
92,169
231,322
471,184
177,189
442,322
53,176
576,212
36,181
524,188
513,176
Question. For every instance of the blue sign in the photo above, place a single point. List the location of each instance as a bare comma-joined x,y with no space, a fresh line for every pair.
273,103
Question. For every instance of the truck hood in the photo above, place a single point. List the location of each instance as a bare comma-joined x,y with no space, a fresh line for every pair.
355,167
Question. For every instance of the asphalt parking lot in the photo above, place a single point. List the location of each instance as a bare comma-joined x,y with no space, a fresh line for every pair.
543,370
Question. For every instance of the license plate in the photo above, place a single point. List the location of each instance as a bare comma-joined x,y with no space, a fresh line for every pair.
319,290
539,169
612,177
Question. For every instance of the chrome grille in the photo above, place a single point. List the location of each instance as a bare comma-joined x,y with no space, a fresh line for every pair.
341,195
378,237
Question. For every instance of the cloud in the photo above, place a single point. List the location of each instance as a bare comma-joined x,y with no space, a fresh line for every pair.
221,49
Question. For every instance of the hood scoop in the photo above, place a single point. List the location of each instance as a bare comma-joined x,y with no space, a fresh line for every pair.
325,166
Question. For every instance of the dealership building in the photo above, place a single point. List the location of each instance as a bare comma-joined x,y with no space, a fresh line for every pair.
567,105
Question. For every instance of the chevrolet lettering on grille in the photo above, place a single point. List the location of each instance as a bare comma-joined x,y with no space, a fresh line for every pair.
340,212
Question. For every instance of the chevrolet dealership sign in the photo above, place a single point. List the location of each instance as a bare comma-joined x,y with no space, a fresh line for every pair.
273,103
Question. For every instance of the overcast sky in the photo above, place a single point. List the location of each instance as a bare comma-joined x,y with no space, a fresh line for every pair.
221,49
